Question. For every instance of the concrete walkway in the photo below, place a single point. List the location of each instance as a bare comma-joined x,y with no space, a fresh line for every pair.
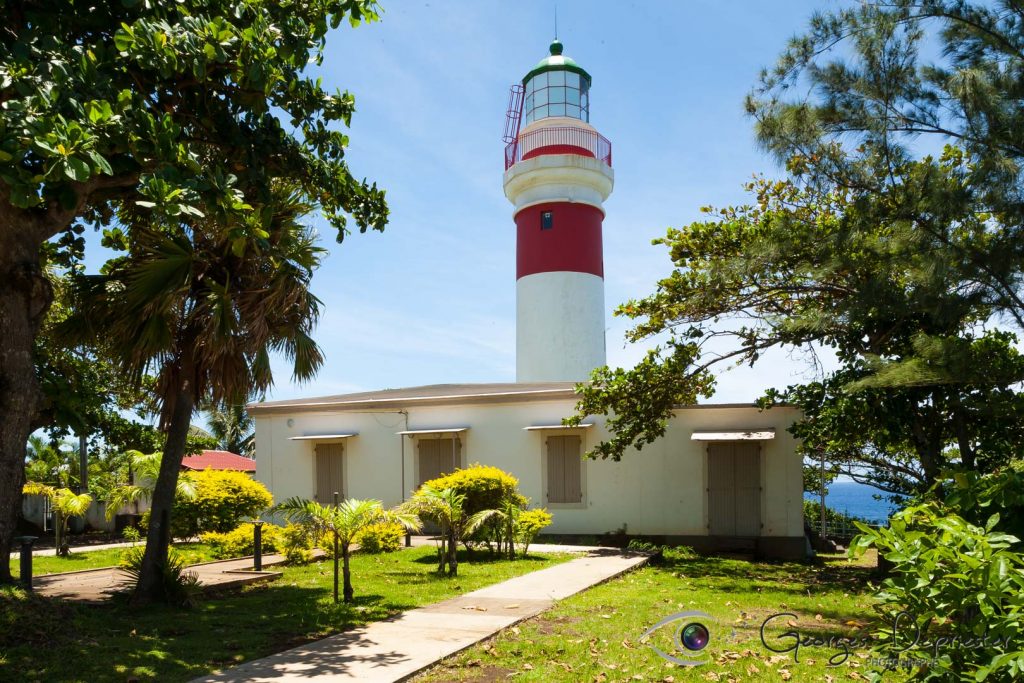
396,648
75,549
99,585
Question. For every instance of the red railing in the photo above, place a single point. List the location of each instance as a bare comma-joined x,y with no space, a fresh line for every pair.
558,140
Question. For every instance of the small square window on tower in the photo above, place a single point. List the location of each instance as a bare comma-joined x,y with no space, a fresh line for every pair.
547,220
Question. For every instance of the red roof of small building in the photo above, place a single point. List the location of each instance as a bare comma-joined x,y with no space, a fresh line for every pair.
218,460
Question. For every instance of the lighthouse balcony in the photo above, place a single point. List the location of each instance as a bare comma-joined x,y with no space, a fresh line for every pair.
558,139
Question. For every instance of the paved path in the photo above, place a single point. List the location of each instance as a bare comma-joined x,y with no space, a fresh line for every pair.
97,585
393,649
75,548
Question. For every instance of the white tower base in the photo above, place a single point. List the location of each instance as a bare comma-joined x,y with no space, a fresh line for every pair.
560,326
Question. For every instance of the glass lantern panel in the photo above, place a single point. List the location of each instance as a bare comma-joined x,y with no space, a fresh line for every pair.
572,80
572,110
572,96
529,102
541,97
540,112
557,109
556,95
556,77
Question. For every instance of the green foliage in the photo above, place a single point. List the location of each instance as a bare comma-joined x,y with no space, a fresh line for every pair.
893,262
178,586
222,500
976,497
381,537
344,522
65,504
528,525
240,542
485,487
193,133
296,544
448,509
957,586
233,429
146,467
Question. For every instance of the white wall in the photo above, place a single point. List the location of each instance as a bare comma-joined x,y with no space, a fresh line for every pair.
660,490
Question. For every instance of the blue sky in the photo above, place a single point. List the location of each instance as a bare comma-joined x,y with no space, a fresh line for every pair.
432,299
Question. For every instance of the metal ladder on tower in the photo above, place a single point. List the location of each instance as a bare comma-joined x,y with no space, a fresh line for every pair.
513,118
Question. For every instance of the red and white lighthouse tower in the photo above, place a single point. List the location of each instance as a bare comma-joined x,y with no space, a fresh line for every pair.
557,175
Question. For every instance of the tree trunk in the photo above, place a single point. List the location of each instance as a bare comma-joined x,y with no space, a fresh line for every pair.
158,538
346,575
60,533
25,296
453,552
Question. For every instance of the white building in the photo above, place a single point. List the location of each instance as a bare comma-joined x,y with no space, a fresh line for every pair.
723,477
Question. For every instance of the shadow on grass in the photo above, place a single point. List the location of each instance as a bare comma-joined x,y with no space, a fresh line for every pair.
479,557
738,576
114,641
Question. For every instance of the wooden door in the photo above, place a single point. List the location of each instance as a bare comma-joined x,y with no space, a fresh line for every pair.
330,472
734,488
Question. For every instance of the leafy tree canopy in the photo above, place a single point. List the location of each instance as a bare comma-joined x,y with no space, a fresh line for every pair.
903,265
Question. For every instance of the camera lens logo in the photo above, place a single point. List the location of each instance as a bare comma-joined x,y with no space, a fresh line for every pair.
690,639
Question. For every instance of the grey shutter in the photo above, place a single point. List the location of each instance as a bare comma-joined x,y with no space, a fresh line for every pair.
721,490
565,476
329,472
748,489
437,457
734,489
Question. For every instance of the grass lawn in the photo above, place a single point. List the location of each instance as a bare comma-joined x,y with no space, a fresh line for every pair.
596,635
95,559
50,640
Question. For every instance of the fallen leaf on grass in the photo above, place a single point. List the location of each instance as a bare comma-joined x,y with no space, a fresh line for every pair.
474,662
784,674
527,667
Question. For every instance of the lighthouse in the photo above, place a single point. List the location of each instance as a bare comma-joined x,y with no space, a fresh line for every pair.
558,173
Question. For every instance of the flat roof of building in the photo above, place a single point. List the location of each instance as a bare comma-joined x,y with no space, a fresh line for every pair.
440,394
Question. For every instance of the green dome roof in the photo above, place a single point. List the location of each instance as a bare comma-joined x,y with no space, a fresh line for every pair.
557,62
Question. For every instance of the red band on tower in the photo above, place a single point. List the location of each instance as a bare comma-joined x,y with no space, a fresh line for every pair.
572,243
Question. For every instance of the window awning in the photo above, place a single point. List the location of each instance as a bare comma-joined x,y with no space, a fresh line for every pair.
535,428
748,435
439,430
321,437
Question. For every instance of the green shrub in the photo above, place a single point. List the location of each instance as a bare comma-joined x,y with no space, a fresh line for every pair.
382,537
180,587
529,524
240,542
485,487
222,500
975,497
952,583
296,545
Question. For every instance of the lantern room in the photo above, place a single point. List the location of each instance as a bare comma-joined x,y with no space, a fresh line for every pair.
557,86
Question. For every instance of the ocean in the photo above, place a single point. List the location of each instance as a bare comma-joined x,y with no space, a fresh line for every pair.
857,500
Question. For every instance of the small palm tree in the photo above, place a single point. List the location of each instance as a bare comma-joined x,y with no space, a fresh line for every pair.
344,522
233,429
146,467
447,508
65,504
